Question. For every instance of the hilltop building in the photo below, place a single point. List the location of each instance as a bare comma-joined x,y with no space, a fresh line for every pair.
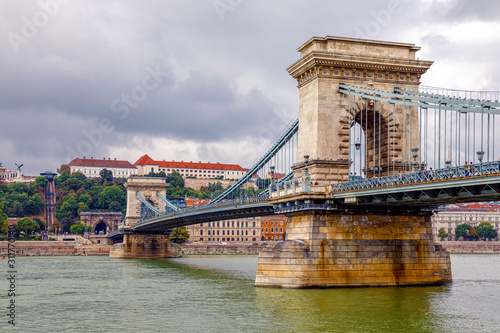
91,167
201,170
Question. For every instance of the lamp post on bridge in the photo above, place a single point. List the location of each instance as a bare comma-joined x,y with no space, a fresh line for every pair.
415,156
480,155
272,174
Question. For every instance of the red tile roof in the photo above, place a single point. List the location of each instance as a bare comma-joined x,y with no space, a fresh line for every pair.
146,160
104,163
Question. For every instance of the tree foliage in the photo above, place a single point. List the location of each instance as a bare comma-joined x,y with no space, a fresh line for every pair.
442,233
27,225
462,230
3,220
180,235
486,230
175,179
79,228
42,181
106,175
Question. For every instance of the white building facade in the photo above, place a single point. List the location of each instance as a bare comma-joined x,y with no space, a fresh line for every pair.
91,167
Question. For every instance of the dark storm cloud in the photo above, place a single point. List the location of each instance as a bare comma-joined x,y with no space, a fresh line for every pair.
220,76
466,10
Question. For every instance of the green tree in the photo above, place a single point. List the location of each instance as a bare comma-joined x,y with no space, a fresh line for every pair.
34,205
486,230
79,228
115,206
110,194
442,233
175,179
61,178
72,184
27,225
462,230
42,181
68,210
85,199
180,235
79,176
40,222
3,220
107,175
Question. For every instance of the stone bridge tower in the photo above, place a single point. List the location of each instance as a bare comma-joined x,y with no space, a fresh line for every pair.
324,112
330,245
144,245
148,187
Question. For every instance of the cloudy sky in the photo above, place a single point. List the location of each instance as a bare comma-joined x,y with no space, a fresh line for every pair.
198,80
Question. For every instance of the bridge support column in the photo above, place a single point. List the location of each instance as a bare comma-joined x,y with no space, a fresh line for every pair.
145,246
334,249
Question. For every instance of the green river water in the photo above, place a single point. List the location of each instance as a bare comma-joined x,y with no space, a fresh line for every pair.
216,294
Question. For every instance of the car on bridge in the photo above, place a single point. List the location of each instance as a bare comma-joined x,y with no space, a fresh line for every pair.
215,243
223,243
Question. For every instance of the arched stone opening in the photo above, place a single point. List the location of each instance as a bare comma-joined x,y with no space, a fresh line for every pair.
147,213
101,228
371,140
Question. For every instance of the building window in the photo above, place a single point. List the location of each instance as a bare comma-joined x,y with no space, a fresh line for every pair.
201,232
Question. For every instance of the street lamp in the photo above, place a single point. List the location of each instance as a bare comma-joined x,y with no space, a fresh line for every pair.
480,155
415,155
272,174
357,145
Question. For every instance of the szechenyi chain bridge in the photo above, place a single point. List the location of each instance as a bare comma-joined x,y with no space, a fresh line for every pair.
369,157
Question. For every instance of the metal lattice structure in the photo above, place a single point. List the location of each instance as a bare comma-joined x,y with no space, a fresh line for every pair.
409,177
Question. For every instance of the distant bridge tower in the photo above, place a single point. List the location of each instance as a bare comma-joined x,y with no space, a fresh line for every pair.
144,245
148,187
327,117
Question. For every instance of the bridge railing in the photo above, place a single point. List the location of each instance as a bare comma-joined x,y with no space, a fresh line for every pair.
421,176
230,202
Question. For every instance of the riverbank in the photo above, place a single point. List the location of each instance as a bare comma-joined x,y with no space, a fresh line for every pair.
53,248
65,248
471,247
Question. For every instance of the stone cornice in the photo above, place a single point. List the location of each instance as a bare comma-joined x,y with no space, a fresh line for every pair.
329,59
348,66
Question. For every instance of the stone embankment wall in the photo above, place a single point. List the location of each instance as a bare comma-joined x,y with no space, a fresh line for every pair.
221,249
471,247
53,248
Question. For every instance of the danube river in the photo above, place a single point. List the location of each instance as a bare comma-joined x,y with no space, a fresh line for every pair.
216,294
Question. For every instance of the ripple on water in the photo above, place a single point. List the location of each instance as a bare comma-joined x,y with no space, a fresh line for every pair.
216,293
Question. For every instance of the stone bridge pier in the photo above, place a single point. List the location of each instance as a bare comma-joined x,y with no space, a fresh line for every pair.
328,245
144,245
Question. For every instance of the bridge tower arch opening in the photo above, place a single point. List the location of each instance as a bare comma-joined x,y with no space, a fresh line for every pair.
369,140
